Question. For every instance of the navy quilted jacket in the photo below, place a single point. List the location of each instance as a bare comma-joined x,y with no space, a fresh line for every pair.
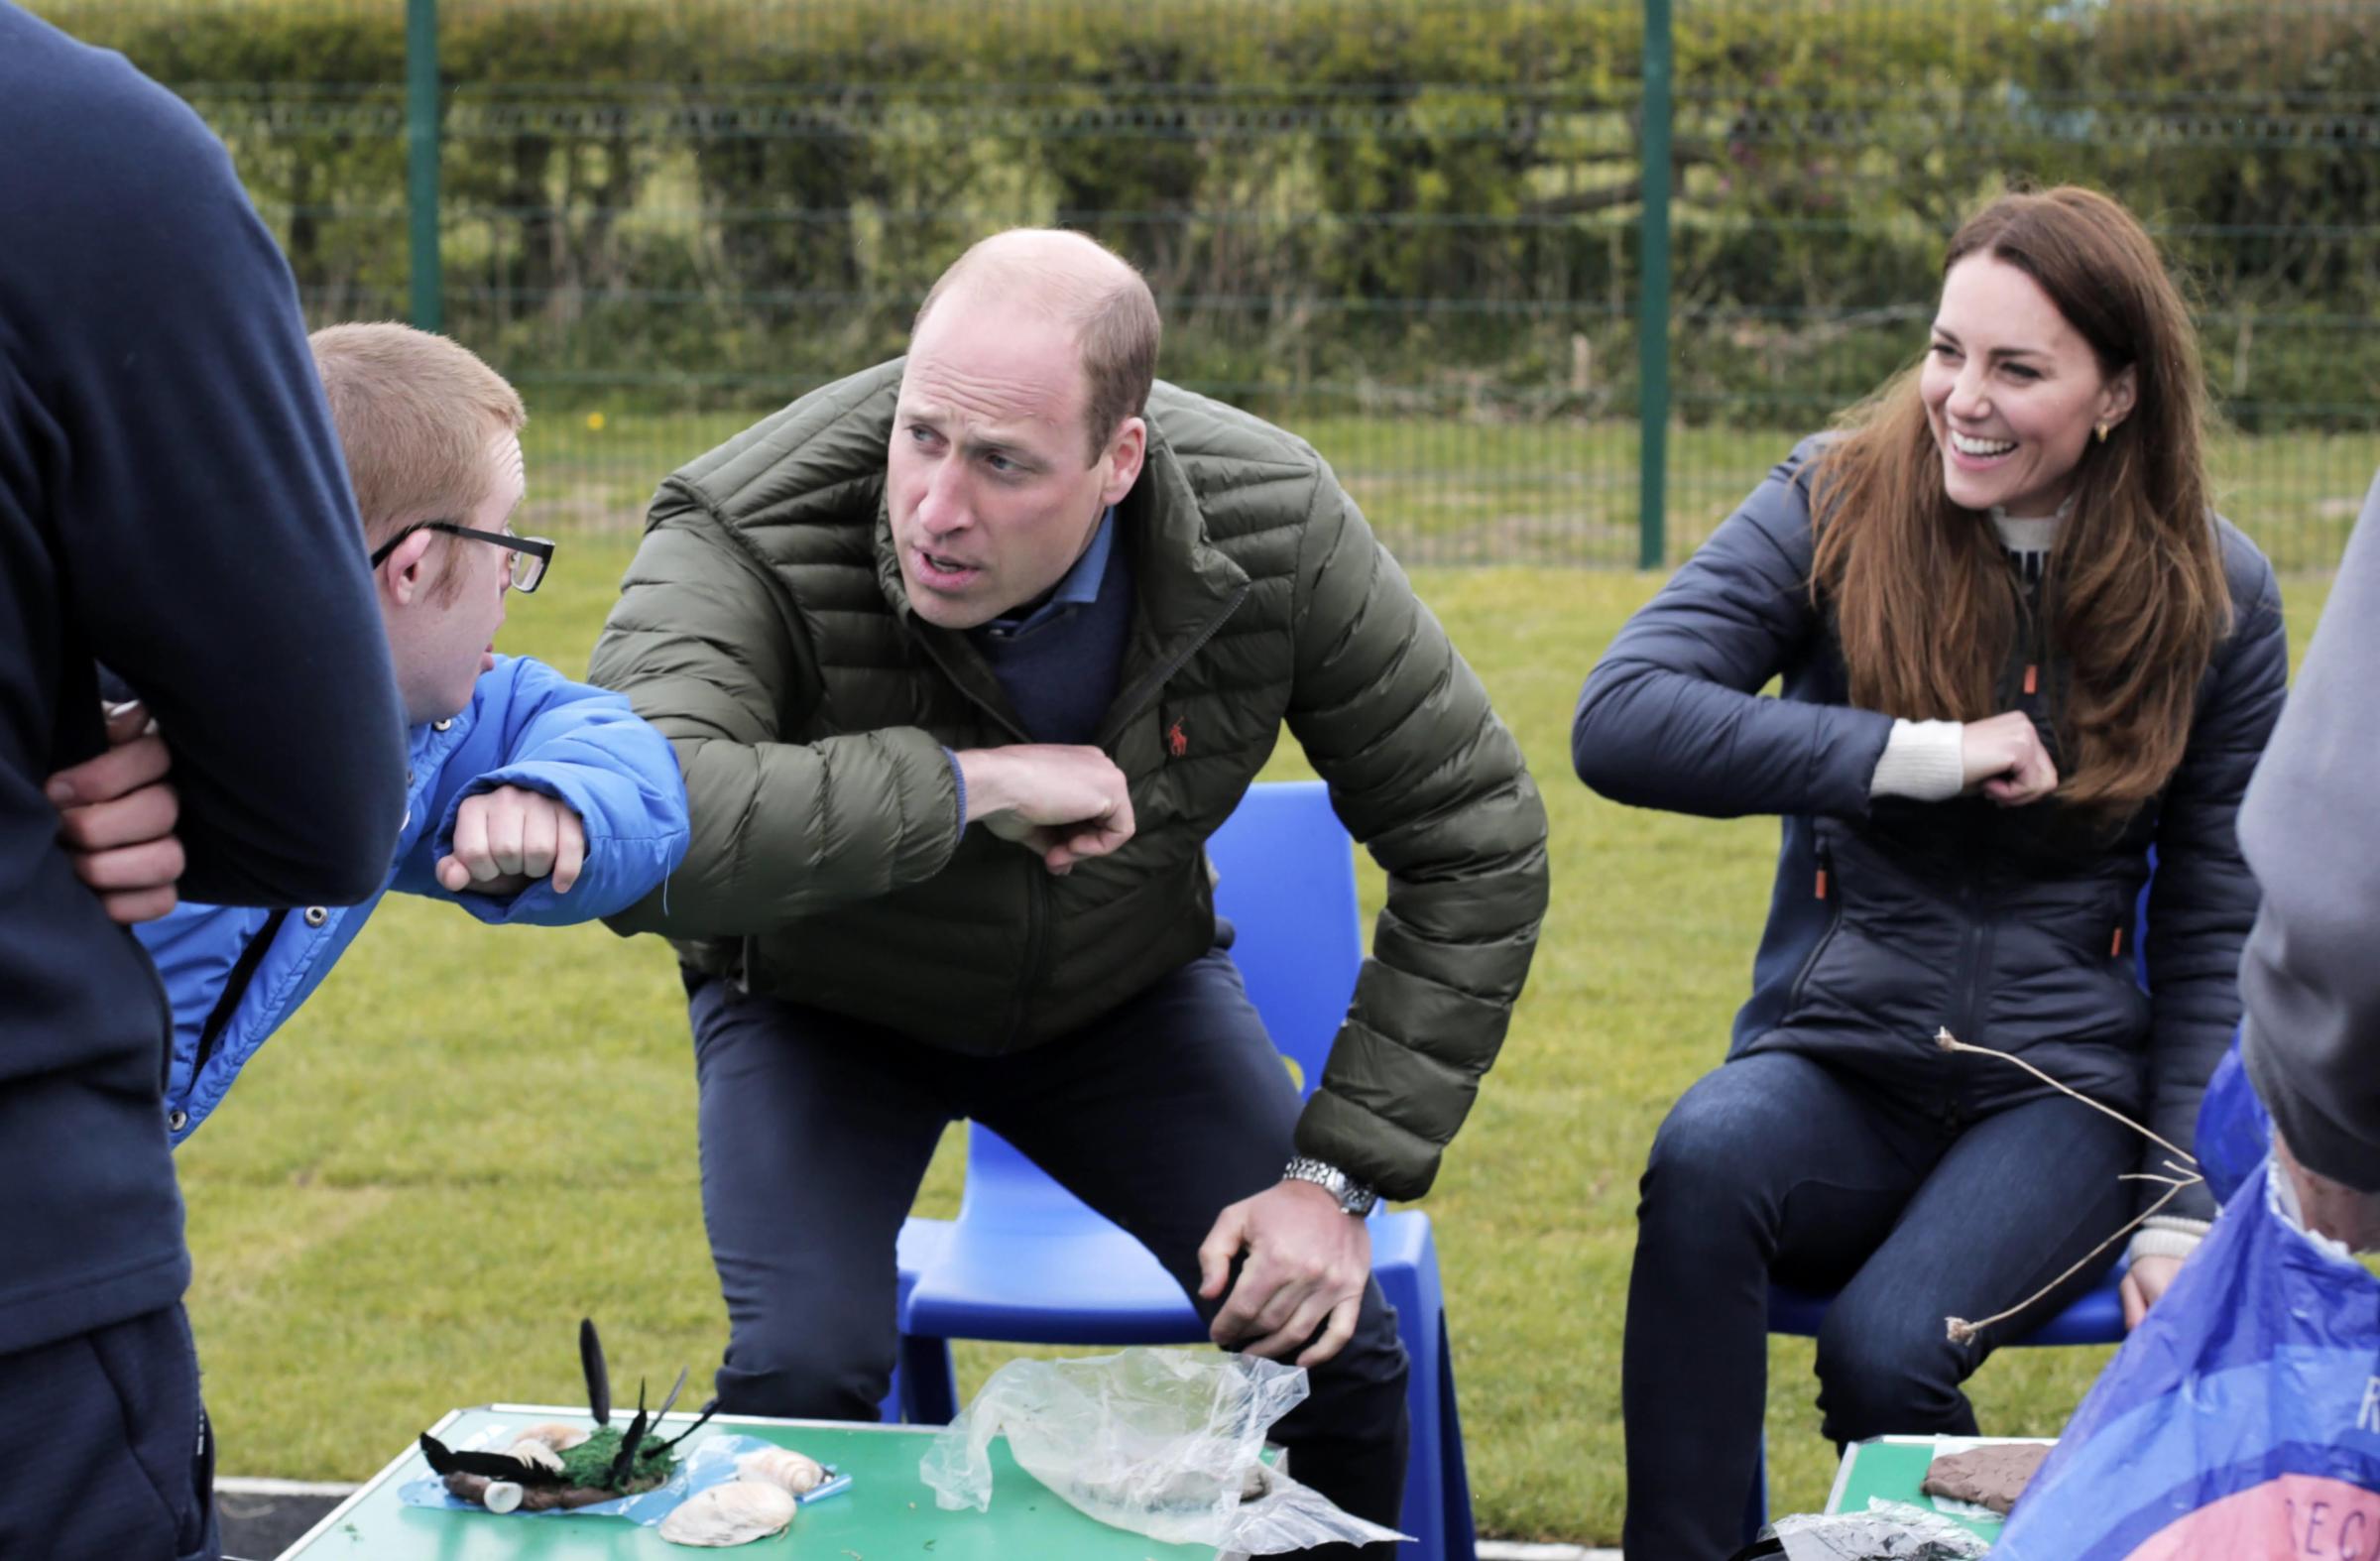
1890,918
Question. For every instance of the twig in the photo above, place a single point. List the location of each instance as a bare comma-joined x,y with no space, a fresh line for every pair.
1963,1332
1950,1042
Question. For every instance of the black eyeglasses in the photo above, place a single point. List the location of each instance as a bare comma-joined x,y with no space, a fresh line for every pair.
530,555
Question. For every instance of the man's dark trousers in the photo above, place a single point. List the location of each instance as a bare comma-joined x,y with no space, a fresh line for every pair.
105,1447
816,1130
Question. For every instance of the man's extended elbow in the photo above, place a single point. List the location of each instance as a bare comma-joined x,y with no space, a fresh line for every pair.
351,855
327,837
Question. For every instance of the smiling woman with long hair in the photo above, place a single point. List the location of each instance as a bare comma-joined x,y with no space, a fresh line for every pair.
2018,651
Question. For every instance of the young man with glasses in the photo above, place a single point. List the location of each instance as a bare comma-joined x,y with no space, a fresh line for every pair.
532,798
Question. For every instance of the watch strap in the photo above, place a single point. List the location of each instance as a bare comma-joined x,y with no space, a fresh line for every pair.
1354,1196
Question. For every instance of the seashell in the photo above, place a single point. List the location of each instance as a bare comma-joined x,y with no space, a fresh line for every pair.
555,1434
781,1467
734,1514
536,1454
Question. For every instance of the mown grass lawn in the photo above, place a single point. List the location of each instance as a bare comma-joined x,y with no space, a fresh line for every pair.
472,1136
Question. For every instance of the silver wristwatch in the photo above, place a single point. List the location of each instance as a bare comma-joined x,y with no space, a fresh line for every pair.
1353,1197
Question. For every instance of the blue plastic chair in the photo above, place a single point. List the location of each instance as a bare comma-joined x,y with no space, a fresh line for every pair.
2094,1318
1025,1262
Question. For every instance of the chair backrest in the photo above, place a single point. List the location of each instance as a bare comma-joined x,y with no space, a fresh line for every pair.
2140,925
1285,880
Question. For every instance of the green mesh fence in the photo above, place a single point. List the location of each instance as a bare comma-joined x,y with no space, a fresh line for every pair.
1409,230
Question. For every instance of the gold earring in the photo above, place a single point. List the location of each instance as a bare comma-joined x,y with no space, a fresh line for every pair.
2102,433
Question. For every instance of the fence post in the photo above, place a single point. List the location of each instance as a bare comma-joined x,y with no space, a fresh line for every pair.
1653,297
422,162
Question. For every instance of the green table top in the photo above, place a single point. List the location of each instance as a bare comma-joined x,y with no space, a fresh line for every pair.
1892,1467
889,1514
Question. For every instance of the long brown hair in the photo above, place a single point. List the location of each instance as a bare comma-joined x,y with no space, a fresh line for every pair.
2134,600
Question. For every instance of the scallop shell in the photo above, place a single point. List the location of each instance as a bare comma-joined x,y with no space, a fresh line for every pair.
783,1466
554,1434
734,1514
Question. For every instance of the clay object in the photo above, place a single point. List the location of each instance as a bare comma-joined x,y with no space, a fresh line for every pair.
734,1514
1993,1477
534,1497
783,1466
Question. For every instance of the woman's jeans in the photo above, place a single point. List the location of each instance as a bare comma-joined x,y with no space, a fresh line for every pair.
1775,1163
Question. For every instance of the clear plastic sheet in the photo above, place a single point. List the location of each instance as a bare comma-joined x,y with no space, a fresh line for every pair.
1165,1443
1886,1531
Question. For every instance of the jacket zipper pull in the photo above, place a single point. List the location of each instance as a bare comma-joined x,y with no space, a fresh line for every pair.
2116,950
2032,677
1823,863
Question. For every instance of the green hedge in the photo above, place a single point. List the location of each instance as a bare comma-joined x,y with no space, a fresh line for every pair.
1426,204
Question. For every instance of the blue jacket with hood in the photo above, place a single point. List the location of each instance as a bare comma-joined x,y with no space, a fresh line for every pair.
526,726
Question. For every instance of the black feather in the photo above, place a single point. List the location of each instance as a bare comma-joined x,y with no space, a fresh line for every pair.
624,1465
444,1460
599,1381
662,1413
708,1411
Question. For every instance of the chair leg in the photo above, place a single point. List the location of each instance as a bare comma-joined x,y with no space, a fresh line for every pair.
924,1389
1437,1506
1454,1473
928,1383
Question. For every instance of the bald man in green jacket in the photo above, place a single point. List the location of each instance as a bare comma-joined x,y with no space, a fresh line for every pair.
964,656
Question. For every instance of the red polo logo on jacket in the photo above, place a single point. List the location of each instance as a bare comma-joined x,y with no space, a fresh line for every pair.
1177,742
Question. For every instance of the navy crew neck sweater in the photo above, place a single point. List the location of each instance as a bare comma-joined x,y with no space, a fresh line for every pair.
1061,665
172,503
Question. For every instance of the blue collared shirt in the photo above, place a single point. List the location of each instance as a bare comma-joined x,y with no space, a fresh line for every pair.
1079,588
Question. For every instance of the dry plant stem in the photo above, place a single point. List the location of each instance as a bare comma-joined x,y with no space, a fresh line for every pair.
1963,1332
1950,1042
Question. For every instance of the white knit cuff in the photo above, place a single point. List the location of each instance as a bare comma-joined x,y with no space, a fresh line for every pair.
2166,1236
1923,760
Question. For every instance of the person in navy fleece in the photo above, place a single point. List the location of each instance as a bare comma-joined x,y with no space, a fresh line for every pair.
172,504
531,798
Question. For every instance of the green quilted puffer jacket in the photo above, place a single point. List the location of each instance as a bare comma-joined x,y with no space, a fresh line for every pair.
765,629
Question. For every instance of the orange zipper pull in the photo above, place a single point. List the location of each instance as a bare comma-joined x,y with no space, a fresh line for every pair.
2116,950
1821,882
2032,677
